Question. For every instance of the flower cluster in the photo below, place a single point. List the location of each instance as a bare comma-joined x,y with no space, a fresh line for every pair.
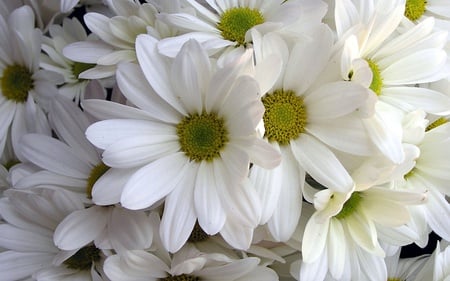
224,140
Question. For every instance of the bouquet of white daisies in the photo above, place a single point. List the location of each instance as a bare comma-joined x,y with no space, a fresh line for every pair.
224,140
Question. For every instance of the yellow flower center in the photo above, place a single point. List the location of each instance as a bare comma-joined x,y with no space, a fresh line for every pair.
84,258
95,174
235,22
440,121
284,117
377,80
16,82
182,277
414,9
202,136
394,279
79,67
350,206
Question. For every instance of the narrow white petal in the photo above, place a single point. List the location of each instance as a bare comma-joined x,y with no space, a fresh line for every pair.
438,213
321,163
102,109
80,227
87,51
154,181
232,270
18,265
156,70
135,87
208,206
54,156
179,214
314,239
336,248
236,235
129,230
108,188
17,239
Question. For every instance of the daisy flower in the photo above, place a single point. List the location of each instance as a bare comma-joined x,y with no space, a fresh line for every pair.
305,120
69,162
27,235
117,36
224,25
344,229
404,269
397,62
60,36
417,10
186,264
24,88
431,172
191,141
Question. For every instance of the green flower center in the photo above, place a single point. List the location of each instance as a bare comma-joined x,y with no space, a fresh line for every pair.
95,174
414,9
202,136
84,258
284,117
377,80
79,67
440,121
16,82
197,234
350,206
235,22
182,277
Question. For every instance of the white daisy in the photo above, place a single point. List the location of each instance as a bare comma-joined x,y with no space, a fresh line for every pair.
31,218
305,120
117,36
397,62
186,264
25,89
70,31
346,225
226,24
399,269
431,172
70,162
421,9
192,140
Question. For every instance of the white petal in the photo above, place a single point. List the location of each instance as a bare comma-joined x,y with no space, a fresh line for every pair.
336,247
179,214
108,188
139,150
208,206
192,69
415,68
438,213
135,87
321,163
87,51
335,99
314,239
232,270
129,230
54,156
412,98
156,70
17,265
154,181
81,227
17,239
236,235
105,133
102,109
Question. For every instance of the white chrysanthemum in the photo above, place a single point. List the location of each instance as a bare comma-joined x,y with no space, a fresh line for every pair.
192,141
225,25
117,36
399,269
25,89
418,10
346,225
188,264
60,36
304,122
31,218
397,62
431,172
70,162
